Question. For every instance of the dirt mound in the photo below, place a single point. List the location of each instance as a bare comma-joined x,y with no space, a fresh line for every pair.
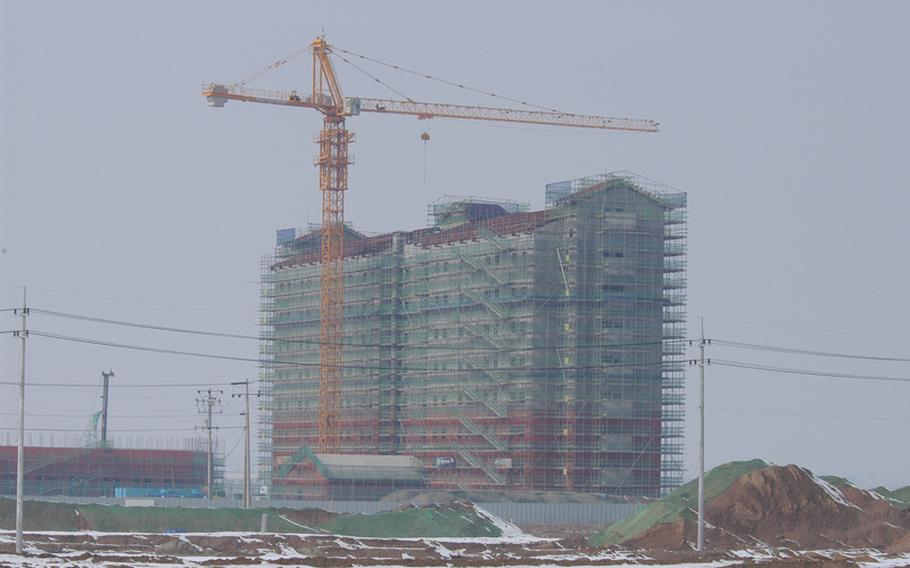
786,506
900,498
419,497
781,505
665,536
900,547
422,499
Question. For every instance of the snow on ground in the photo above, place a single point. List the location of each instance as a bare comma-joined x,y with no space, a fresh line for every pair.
900,561
509,531
14,561
94,549
831,490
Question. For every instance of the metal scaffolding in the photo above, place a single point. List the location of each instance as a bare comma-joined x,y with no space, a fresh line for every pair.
501,347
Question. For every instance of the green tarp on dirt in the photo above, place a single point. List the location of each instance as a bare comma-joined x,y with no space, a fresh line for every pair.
456,520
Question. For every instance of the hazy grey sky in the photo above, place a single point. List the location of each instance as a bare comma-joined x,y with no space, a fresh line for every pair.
124,196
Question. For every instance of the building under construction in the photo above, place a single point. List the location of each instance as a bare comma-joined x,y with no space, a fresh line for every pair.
498,348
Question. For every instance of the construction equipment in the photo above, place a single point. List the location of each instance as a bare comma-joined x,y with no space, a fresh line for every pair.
333,161
90,435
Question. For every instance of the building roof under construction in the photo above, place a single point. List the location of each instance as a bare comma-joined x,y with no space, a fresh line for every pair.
479,214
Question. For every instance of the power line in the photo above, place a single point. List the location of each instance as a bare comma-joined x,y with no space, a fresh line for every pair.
121,430
129,416
813,329
143,302
118,385
143,325
313,342
808,372
346,366
804,415
777,349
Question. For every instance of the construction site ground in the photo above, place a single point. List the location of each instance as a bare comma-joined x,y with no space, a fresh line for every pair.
760,515
121,550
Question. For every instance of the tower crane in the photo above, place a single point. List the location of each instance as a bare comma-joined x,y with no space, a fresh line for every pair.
333,160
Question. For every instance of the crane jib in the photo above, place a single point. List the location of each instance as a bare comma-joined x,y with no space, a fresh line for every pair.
217,95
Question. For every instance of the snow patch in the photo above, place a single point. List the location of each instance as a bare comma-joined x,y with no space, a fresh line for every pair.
298,525
875,495
508,530
441,550
899,561
342,544
831,490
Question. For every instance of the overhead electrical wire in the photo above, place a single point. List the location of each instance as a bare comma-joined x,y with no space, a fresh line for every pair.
186,429
812,329
807,372
790,350
314,342
118,384
805,415
143,302
317,364
117,416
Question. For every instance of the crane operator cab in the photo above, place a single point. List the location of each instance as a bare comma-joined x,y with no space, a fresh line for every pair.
351,106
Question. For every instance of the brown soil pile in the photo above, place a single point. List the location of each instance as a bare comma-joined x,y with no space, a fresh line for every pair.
901,546
787,506
666,536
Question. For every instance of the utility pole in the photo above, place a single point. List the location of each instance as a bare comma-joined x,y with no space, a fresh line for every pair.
106,376
206,406
700,542
247,500
20,451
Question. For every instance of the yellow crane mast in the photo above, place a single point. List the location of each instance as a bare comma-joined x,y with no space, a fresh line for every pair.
333,161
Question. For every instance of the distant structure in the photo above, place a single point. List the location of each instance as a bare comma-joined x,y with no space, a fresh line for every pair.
106,471
498,348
